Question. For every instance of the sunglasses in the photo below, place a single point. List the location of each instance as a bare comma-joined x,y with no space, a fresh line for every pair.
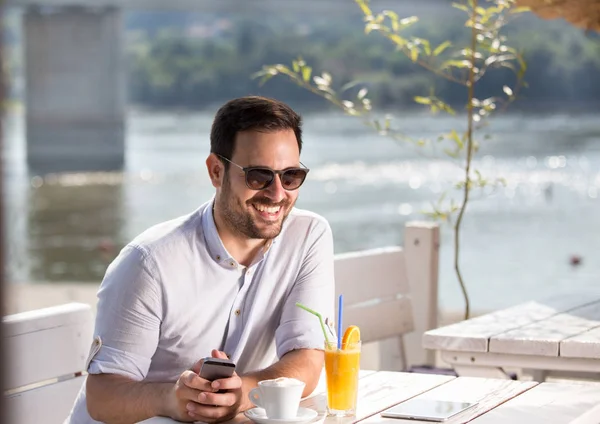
261,177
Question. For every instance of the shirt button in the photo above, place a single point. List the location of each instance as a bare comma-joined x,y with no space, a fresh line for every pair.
238,312
232,264
218,257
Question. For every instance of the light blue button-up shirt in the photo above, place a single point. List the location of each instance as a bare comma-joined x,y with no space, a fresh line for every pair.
174,293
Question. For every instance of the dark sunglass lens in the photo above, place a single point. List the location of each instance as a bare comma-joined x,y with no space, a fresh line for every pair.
257,179
293,178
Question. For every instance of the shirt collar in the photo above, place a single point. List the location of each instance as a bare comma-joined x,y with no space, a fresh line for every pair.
213,242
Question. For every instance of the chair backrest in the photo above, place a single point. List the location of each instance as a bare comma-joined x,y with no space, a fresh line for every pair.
375,290
47,349
383,288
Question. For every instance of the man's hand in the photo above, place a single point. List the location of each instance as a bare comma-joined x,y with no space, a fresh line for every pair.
197,399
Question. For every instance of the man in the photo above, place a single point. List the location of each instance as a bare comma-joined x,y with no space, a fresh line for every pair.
221,281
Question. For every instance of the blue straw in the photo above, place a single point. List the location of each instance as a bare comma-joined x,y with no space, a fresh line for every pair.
339,332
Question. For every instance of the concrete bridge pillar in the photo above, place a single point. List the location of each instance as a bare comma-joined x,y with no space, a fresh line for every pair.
75,84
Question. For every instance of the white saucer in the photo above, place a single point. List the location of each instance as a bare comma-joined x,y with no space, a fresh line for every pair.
259,416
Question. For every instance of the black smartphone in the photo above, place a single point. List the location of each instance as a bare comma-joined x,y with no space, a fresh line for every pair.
216,368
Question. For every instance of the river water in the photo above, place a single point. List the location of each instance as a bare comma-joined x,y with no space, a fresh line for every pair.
518,241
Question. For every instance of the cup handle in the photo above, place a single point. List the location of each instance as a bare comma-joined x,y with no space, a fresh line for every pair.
254,396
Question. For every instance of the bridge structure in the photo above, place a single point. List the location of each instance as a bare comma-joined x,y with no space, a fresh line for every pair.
75,73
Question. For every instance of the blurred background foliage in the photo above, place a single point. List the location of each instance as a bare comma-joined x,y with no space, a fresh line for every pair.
196,60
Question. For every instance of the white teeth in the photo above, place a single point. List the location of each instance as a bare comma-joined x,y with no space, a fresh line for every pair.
267,209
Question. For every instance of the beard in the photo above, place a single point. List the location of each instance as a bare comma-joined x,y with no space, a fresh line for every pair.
240,220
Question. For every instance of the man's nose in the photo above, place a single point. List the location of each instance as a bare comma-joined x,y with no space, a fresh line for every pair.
275,191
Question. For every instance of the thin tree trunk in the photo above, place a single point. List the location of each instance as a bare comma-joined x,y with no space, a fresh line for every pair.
467,186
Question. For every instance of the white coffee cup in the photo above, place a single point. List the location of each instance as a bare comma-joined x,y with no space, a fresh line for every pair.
280,398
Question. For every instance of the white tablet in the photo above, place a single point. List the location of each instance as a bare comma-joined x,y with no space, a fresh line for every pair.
427,409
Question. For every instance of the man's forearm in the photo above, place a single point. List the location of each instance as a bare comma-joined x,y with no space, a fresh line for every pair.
303,364
113,399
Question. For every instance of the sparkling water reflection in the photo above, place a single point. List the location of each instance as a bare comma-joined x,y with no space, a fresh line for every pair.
517,242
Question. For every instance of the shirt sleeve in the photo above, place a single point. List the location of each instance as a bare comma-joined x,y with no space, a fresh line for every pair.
128,317
314,288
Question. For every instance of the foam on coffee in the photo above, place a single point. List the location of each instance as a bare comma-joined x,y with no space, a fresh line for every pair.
283,382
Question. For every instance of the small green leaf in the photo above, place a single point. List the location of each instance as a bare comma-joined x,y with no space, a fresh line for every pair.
427,47
265,78
439,49
306,71
456,138
491,60
320,81
522,63
387,123
456,64
295,66
364,6
366,104
408,21
508,65
414,54
258,74
499,59
371,26
423,100
446,108
393,19
401,42
460,6
379,18
494,10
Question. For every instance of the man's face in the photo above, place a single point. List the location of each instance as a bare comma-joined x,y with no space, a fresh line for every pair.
259,214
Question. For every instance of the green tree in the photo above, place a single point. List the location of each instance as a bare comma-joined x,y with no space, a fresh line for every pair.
486,52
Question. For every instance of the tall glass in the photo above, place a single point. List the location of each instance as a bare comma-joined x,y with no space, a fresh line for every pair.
341,369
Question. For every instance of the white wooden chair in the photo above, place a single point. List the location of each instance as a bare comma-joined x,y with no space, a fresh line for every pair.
391,294
47,349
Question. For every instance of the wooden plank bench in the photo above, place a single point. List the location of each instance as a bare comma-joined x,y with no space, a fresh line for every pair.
46,351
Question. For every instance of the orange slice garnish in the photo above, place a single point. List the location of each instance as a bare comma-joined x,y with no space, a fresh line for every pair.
351,336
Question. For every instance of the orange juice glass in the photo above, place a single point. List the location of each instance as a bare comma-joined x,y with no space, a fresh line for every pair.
341,369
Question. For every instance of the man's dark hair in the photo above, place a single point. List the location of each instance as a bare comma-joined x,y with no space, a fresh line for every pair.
251,113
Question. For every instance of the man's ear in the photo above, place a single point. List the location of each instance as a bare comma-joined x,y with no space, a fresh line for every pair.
216,170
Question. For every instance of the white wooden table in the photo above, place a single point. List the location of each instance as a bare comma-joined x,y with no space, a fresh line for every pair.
559,334
499,401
